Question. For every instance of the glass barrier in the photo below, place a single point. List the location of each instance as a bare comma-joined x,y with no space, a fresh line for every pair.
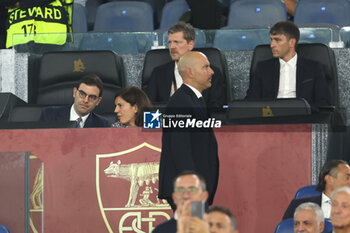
345,36
119,42
316,35
141,42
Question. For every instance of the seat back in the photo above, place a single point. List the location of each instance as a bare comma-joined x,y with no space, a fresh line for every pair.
307,191
60,71
240,39
155,58
287,226
325,56
80,24
256,13
91,9
312,51
25,113
323,11
172,12
124,16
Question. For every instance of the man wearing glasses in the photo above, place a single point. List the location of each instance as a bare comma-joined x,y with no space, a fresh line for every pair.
188,187
87,95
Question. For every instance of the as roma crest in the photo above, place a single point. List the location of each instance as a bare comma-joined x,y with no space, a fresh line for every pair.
127,189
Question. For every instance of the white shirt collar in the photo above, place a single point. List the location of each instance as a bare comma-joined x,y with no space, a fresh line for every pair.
198,93
74,116
292,62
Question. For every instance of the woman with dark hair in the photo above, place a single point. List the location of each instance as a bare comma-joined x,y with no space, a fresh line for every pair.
130,103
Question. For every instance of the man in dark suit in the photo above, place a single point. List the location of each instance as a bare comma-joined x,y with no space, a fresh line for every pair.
189,147
188,186
334,174
165,79
87,95
287,75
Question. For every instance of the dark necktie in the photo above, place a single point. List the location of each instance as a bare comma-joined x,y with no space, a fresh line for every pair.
78,122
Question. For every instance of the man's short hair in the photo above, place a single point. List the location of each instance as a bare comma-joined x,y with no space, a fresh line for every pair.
345,189
329,168
287,28
92,80
186,28
311,206
189,172
225,211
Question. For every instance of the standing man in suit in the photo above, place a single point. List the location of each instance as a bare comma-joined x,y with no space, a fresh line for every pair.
308,217
165,79
340,214
334,174
189,148
87,95
287,75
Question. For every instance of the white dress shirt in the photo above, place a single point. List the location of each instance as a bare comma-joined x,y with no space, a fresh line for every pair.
74,116
326,205
178,80
287,82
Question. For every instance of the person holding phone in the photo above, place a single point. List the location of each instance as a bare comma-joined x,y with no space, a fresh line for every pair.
189,187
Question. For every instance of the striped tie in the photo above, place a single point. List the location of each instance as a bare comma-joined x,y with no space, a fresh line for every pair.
79,120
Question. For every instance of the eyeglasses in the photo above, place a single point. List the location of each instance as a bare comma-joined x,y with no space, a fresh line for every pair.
190,190
83,95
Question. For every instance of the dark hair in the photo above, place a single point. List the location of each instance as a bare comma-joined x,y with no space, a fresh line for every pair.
186,28
189,172
92,80
225,211
329,168
287,28
134,95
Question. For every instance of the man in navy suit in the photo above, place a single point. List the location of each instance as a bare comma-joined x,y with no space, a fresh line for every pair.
165,79
189,148
334,174
188,186
287,75
87,95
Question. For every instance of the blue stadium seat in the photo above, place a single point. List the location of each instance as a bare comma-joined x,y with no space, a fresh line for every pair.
323,11
80,24
287,226
172,12
124,16
91,9
199,42
240,39
263,13
307,191
4,229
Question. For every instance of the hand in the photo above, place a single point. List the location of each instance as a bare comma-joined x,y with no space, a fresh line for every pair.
183,212
198,226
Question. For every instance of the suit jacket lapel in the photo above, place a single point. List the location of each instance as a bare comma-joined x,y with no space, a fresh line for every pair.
89,121
64,115
276,76
170,78
197,103
299,76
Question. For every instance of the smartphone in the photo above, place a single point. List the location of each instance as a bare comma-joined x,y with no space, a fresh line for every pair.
198,208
